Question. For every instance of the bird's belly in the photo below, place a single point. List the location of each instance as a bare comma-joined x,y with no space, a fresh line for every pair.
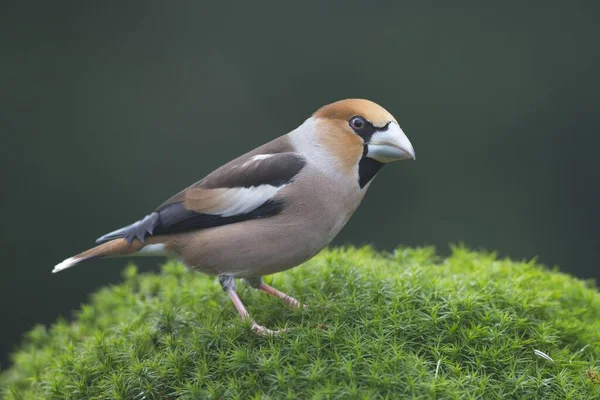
261,246
253,247
265,246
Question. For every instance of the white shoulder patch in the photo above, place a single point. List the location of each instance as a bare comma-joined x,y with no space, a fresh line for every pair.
244,200
257,157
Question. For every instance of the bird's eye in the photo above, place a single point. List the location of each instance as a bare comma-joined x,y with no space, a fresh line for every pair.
357,123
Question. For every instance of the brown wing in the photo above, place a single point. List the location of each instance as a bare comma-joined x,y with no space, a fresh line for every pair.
240,190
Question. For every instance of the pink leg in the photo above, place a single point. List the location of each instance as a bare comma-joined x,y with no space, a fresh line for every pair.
257,283
237,302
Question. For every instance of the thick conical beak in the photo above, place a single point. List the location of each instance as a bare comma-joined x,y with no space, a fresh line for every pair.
390,145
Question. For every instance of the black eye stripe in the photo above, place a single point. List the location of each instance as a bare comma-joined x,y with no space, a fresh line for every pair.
367,167
367,130
384,128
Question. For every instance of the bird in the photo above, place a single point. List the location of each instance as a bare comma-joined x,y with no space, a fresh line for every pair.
272,208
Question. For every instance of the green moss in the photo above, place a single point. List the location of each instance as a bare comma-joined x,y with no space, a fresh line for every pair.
378,326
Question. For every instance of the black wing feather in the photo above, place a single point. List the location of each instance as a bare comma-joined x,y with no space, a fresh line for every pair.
173,217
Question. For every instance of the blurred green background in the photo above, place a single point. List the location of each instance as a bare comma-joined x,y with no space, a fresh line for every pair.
108,108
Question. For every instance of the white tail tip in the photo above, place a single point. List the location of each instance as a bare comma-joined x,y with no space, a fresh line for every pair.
69,262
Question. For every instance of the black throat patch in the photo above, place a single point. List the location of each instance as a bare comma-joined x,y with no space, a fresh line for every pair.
367,169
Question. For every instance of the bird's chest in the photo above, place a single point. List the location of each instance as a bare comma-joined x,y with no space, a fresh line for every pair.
349,202
318,205
338,200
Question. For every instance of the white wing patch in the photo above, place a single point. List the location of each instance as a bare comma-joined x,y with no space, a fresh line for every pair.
244,187
257,158
244,200
232,201
237,201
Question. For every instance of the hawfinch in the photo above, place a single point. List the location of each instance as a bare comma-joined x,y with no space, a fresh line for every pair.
272,208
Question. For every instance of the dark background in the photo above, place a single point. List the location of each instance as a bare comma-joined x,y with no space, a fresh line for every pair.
107,109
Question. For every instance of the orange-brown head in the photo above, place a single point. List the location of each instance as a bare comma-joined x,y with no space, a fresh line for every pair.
360,132
359,122
343,110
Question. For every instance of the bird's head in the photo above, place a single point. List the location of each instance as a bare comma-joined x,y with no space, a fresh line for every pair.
353,135
356,127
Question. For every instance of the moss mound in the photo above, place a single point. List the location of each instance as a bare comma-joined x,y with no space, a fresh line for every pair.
405,324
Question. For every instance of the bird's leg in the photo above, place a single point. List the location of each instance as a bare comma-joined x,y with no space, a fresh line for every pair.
257,283
228,284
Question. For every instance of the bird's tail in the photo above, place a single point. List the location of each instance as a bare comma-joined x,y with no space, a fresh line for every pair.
113,248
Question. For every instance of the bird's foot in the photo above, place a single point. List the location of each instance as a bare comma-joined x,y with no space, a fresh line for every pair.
292,302
261,330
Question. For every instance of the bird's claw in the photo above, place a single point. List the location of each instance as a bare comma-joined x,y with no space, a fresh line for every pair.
261,330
